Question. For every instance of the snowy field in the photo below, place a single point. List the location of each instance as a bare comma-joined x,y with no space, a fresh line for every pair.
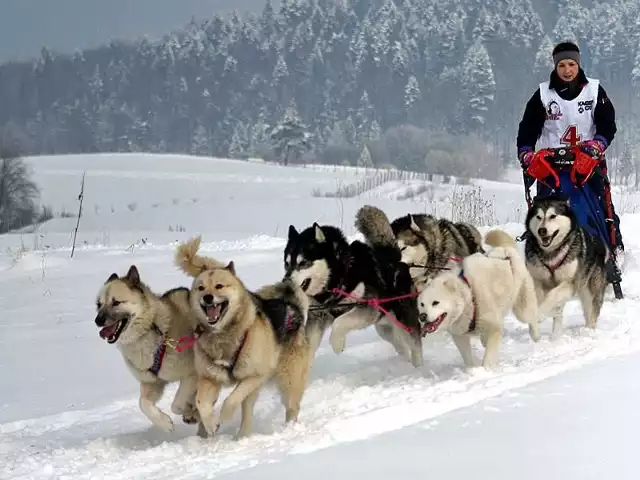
68,406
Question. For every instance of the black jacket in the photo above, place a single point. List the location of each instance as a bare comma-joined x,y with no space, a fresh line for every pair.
534,116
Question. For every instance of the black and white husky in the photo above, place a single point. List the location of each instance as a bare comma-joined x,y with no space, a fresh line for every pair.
564,261
321,261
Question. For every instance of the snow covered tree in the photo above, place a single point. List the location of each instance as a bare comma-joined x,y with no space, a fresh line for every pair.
18,192
290,137
543,64
364,160
479,84
200,143
239,141
412,97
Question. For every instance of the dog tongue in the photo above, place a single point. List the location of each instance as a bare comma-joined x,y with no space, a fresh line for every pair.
213,311
106,332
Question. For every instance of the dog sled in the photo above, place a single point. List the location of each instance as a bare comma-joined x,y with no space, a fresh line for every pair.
565,171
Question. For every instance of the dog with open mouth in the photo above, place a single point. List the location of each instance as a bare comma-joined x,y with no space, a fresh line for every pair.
564,261
145,327
472,297
246,339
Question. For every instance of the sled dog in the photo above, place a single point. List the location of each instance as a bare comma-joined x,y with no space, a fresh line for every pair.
319,259
246,339
144,326
427,242
564,261
473,297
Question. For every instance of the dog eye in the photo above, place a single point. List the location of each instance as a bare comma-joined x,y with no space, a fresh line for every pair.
201,287
435,303
551,217
99,305
219,286
422,304
115,303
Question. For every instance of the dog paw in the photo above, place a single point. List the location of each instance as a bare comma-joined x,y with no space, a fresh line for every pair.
164,422
202,431
189,419
337,342
212,425
534,332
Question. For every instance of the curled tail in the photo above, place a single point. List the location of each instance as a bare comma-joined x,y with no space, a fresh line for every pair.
526,300
507,248
374,224
500,238
188,260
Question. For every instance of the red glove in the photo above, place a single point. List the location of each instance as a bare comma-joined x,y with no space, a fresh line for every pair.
525,157
595,147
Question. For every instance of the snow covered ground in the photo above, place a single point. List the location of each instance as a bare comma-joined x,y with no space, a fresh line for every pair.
68,406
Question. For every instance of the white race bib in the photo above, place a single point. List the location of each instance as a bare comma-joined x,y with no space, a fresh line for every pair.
568,122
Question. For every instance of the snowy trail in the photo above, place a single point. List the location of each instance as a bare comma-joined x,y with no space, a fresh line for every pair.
93,428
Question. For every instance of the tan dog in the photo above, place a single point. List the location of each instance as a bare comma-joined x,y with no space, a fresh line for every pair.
246,339
143,326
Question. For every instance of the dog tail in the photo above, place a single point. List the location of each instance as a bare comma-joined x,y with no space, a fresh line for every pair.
500,238
526,299
188,260
374,224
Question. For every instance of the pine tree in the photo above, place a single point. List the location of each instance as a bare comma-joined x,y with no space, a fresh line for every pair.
412,98
544,61
200,143
364,160
478,83
290,137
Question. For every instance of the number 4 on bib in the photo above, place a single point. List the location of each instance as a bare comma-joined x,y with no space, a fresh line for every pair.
570,136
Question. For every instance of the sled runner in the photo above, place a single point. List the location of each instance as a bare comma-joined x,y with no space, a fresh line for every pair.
565,171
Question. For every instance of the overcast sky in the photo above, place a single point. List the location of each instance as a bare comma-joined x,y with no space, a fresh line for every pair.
64,25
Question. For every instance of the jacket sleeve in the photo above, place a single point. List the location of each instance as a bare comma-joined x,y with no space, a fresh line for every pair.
604,116
531,124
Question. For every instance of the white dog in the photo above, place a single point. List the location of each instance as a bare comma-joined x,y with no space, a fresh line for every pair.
475,294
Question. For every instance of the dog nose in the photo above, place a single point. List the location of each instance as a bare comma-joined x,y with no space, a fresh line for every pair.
100,319
423,318
208,299
542,231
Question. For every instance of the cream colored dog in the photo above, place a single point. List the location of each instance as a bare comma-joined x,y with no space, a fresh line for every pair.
473,297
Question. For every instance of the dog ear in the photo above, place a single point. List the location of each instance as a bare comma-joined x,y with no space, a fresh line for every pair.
114,276
412,224
231,267
293,233
133,276
320,238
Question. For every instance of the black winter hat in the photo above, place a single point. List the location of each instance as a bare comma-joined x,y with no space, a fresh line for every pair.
564,51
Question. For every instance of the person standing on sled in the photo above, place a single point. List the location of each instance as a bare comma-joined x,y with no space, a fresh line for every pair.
570,109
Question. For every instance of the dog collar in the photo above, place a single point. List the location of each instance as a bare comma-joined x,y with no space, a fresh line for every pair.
158,355
557,264
472,324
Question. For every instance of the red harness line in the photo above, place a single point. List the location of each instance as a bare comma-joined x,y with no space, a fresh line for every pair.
377,304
